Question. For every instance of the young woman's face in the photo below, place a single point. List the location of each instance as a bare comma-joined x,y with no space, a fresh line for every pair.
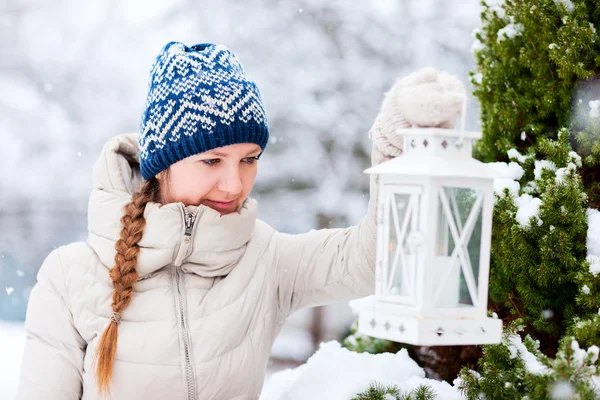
220,178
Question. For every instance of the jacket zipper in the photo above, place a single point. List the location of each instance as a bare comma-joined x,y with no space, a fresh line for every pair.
189,219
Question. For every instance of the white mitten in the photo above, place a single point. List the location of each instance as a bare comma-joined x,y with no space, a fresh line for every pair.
426,98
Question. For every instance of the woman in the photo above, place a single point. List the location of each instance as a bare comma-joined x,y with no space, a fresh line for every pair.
180,291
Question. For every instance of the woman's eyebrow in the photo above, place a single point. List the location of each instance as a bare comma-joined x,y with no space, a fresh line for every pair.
219,154
253,151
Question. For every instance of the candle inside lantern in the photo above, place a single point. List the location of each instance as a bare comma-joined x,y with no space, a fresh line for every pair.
446,281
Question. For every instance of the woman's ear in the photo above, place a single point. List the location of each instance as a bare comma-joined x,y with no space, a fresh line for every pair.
163,185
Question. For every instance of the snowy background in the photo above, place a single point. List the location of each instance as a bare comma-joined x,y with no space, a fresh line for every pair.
73,74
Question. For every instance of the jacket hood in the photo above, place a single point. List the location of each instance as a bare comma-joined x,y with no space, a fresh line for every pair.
218,242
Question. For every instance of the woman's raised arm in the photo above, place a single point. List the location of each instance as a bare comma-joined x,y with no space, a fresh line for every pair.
329,265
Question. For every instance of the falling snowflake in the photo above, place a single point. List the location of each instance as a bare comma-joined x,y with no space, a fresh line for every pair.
547,314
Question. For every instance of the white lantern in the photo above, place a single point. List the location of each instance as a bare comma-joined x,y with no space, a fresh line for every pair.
433,243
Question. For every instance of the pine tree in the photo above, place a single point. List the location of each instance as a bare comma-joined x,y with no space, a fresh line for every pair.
536,79
377,391
535,259
536,66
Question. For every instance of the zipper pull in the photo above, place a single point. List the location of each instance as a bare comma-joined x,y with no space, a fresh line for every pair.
190,218
189,224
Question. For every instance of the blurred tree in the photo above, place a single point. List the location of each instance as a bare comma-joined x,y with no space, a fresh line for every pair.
76,74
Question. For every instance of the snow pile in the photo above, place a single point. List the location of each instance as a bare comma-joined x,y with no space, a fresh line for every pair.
12,341
528,206
361,304
510,31
585,289
543,164
293,343
593,240
567,3
518,349
563,390
335,373
593,233
579,355
594,351
477,78
594,264
477,45
497,8
514,154
575,158
512,172
562,172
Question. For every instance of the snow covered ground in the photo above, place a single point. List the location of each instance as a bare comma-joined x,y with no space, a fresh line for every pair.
12,340
336,373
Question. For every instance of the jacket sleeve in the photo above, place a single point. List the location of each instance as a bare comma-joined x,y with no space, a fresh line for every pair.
52,362
327,265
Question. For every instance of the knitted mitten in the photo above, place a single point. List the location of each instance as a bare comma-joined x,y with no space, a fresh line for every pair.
426,98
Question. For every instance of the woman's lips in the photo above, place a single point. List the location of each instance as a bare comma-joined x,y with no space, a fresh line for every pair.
220,206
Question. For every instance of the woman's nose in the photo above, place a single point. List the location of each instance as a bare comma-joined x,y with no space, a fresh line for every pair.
231,182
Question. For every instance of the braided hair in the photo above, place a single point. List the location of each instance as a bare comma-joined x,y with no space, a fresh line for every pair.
124,275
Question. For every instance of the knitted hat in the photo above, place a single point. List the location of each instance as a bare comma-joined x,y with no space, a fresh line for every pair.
199,99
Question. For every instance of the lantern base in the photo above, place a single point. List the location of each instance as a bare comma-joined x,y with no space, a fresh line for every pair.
430,331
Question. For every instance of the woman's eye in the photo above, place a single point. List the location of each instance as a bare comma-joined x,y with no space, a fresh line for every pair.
211,161
250,160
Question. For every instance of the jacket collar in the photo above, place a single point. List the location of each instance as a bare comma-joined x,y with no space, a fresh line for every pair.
217,242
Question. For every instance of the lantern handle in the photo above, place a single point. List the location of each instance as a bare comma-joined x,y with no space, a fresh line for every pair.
463,119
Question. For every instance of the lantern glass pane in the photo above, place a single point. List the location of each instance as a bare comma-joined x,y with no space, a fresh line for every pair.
456,270
402,258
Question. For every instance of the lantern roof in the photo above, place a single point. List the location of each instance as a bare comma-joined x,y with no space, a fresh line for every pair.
414,165
437,152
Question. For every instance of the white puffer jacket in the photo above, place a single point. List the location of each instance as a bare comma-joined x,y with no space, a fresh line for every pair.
202,317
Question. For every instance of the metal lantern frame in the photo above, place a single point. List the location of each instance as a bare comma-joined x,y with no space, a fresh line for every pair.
431,287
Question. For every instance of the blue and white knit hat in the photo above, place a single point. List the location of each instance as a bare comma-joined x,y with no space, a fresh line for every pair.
199,99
